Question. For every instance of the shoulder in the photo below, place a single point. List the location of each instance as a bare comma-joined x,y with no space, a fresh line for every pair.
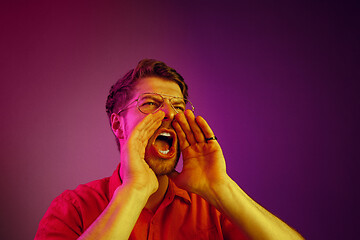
70,213
92,195
98,189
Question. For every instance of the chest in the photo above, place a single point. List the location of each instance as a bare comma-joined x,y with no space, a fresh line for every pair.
179,220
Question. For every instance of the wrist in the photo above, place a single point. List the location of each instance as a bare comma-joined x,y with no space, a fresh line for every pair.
142,183
132,191
218,189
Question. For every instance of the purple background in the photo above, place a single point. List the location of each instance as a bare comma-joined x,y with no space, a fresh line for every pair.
278,82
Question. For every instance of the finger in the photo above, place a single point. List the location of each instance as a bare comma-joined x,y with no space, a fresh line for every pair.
205,128
147,127
198,134
181,135
150,123
181,119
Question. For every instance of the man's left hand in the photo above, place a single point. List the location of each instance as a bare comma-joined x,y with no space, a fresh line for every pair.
203,161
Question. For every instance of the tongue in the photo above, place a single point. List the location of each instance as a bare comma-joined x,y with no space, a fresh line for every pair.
162,145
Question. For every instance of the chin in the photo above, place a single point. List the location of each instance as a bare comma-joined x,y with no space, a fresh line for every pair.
162,166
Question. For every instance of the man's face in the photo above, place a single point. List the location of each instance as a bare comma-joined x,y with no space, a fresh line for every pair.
162,151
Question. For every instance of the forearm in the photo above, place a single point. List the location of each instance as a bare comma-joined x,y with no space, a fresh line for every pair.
249,216
119,217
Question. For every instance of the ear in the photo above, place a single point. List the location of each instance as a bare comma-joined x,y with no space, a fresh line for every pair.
117,126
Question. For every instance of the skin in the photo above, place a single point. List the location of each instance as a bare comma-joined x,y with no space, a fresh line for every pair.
203,173
134,130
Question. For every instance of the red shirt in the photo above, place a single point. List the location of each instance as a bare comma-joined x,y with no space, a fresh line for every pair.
181,215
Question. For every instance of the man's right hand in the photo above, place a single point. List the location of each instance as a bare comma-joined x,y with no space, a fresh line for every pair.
139,182
134,171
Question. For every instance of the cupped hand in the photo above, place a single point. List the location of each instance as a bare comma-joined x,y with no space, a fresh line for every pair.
134,170
203,161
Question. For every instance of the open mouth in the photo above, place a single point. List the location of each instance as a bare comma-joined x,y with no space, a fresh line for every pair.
164,143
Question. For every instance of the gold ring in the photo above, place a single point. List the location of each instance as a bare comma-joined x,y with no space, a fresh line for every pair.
211,138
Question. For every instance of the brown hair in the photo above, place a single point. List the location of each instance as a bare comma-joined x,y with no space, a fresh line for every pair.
122,91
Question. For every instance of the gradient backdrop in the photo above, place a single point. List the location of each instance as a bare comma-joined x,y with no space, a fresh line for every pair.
277,80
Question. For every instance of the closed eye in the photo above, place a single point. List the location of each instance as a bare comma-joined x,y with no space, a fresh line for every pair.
150,104
180,108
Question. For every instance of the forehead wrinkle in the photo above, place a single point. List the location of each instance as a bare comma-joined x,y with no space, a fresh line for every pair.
158,85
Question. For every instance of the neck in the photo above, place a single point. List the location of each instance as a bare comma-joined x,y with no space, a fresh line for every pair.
156,198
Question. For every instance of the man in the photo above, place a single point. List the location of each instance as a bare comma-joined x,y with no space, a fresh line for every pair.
146,198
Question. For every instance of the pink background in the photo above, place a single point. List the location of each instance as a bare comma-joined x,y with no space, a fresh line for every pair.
279,84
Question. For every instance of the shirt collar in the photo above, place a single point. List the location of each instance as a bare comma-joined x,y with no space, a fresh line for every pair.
173,190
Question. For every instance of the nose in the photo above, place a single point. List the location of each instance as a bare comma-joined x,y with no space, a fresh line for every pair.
169,111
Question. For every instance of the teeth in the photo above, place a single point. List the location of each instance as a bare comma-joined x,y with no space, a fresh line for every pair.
165,134
164,152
